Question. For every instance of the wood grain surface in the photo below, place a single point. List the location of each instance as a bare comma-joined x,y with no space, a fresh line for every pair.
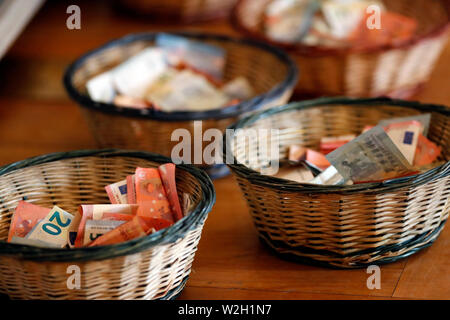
37,117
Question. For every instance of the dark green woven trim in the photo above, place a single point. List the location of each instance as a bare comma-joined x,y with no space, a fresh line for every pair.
368,188
177,291
423,238
164,236
246,106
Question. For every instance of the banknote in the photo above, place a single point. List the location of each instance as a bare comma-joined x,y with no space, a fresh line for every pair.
396,28
135,228
344,17
97,228
117,192
317,159
203,57
427,151
298,172
101,88
73,230
372,156
134,76
289,21
167,173
187,91
330,176
329,144
150,194
313,168
131,189
131,102
427,167
25,217
424,119
299,153
405,135
54,228
33,242
120,212
238,88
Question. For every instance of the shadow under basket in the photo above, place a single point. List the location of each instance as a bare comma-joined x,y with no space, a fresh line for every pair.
343,226
152,267
271,73
398,70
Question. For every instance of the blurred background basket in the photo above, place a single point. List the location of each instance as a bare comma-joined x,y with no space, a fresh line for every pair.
184,11
271,73
153,267
343,226
397,70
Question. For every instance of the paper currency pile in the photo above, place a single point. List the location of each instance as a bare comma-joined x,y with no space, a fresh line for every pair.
336,23
176,74
140,205
392,149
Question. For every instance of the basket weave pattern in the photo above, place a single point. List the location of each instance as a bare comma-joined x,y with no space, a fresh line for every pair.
140,269
396,71
344,226
271,77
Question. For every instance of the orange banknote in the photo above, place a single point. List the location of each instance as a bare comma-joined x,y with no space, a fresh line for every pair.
329,144
135,228
121,212
151,196
299,153
426,152
131,189
117,192
25,217
395,29
167,172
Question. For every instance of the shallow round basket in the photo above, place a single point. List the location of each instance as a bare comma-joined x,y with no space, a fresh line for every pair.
342,226
184,11
397,71
271,73
152,267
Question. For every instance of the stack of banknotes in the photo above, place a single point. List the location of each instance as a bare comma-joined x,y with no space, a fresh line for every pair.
140,205
177,74
393,148
336,23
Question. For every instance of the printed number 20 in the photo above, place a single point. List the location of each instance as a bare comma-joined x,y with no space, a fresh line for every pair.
52,228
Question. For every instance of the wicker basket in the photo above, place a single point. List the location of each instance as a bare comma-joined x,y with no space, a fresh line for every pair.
153,267
271,72
183,11
396,71
344,226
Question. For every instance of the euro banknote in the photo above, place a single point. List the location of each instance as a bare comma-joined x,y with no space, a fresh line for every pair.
25,217
54,228
372,156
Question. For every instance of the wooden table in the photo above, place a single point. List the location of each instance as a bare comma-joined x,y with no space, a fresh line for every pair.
37,117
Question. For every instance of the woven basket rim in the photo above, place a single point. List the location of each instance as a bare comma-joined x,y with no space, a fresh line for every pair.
373,188
231,111
316,50
164,236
